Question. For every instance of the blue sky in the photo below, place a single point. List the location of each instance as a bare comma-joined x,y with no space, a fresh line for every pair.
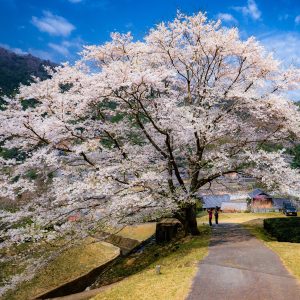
57,29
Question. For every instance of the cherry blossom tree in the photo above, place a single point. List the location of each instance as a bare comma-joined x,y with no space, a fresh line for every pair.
134,129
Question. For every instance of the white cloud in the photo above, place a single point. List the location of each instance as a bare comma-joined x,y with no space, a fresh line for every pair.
74,44
41,54
52,24
75,1
16,50
61,49
226,18
250,10
297,20
286,46
67,48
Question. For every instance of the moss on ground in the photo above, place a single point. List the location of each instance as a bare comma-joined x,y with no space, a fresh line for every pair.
178,261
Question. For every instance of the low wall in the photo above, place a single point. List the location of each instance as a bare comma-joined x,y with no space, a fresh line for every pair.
125,244
264,210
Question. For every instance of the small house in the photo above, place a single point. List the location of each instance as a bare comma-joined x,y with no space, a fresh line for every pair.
260,200
213,201
226,202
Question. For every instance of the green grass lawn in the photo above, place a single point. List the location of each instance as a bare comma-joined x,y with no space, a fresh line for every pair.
178,261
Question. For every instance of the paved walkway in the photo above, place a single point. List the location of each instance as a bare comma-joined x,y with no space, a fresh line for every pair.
240,267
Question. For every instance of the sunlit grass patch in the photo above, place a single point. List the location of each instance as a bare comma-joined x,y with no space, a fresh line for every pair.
240,217
178,266
138,232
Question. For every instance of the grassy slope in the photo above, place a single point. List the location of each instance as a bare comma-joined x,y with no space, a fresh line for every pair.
70,265
178,267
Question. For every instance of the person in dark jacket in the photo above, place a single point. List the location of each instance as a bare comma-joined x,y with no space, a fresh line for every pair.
210,213
217,215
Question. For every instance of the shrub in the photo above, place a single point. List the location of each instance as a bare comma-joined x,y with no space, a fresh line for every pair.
284,229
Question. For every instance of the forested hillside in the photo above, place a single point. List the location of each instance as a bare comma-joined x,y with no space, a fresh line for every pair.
16,69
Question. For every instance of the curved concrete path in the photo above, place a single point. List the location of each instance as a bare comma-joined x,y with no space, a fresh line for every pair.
240,267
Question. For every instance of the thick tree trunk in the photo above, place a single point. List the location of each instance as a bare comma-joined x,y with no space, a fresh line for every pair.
190,221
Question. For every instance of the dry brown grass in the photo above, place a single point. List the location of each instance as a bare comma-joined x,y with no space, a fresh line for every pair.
138,232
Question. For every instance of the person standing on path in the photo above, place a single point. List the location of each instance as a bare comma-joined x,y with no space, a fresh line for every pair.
210,213
216,215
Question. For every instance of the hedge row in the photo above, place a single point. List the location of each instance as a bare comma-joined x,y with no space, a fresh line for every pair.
284,229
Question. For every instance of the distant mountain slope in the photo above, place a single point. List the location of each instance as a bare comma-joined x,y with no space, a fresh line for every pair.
16,69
